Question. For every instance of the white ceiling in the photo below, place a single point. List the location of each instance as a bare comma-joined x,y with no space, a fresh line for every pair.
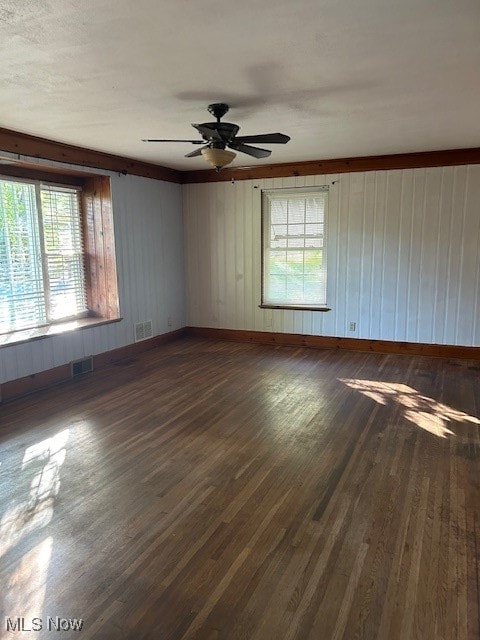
341,77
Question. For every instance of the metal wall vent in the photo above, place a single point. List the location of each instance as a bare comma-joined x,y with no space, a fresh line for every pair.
143,330
82,366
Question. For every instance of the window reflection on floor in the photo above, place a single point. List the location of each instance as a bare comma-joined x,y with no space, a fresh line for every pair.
424,412
25,592
39,472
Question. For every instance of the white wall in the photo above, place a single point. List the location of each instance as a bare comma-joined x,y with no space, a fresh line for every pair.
404,262
149,249
403,256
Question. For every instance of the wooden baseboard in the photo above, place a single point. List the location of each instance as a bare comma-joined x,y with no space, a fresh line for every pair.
29,384
23,386
348,344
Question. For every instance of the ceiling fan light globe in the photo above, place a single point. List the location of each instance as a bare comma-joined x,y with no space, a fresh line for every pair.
218,158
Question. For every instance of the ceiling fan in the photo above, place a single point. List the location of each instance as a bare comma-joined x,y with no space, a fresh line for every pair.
219,135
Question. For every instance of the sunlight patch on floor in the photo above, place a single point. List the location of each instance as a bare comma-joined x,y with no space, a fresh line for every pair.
424,412
25,593
43,460
39,473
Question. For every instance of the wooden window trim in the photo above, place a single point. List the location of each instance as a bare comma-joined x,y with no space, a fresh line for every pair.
47,331
100,263
293,307
99,245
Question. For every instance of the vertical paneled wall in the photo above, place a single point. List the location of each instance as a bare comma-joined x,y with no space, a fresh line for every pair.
403,256
149,249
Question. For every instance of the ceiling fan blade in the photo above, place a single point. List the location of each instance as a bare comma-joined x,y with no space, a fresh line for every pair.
197,152
209,133
161,140
268,138
256,152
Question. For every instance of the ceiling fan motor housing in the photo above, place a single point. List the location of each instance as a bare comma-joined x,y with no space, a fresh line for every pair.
217,136
225,130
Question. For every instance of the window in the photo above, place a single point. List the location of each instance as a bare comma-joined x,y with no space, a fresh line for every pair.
42,271
294,248
57,252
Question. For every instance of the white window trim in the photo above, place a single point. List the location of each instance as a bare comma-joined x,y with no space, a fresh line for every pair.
267,196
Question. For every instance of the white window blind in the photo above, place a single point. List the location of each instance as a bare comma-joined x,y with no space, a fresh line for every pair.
294,247
41,255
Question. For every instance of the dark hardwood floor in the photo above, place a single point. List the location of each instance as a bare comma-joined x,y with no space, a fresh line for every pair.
212,490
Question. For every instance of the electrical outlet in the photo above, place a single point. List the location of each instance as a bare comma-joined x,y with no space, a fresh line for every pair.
169,321
353,326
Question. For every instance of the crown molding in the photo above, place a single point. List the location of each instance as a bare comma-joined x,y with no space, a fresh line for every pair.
32,146
36,147
445,158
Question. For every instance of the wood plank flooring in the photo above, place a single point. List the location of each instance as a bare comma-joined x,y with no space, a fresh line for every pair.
213,490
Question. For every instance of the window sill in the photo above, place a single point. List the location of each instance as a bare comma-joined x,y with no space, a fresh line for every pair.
293,307
38,333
